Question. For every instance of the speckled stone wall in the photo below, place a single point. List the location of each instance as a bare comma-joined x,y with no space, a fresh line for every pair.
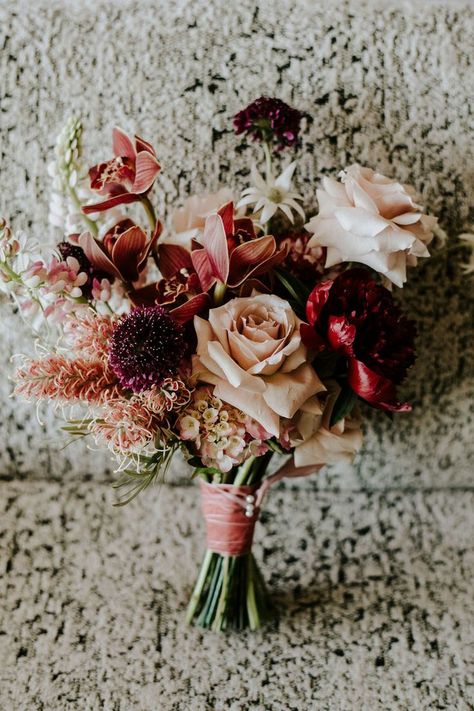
372,570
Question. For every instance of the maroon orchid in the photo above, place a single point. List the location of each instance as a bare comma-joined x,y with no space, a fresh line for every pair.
123,252
228,252
126,178
179,290
359,320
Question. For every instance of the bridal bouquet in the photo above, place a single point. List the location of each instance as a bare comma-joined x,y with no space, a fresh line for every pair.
244,335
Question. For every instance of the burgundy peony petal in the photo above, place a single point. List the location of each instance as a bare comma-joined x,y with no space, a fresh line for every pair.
317,300
146,170
122,199
173,258
190,308
341,334
122,144
378,391
312,339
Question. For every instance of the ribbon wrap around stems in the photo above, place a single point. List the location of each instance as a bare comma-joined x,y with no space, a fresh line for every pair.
229,528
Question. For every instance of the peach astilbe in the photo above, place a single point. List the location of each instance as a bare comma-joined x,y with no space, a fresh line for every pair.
126,426
59,378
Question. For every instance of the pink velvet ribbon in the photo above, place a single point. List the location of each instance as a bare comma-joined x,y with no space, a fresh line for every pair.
229,531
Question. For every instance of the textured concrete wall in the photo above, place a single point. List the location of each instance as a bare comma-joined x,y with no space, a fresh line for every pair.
386,84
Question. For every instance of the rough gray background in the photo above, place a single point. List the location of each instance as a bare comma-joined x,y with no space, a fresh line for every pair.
375,566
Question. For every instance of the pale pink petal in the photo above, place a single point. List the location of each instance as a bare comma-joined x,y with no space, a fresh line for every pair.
122,144
286,393
215,243
146,170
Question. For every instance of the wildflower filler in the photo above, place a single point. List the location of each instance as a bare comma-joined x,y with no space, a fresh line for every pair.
246,337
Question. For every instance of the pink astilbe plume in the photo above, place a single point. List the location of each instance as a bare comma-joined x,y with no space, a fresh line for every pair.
59,378
125,426
88,334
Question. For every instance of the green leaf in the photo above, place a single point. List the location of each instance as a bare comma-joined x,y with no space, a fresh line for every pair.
343,405
275,446
297,290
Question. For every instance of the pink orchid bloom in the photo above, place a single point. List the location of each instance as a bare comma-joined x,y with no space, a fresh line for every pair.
127,177
123,252
229,252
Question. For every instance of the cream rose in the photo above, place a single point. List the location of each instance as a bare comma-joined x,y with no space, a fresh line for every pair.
315,442
251,350
371,219
190,219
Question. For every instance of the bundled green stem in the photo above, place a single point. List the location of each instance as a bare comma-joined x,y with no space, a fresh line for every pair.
230,592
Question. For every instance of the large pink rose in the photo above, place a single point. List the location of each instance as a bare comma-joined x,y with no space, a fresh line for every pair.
251,350
370,219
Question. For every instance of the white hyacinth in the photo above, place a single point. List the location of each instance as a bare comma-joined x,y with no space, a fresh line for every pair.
69,181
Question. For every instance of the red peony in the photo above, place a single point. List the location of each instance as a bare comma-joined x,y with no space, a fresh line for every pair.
359,320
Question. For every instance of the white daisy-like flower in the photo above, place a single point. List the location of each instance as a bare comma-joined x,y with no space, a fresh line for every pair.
272,194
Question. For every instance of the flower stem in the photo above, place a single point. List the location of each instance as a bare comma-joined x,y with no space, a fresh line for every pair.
244,471
252,608
198,588
150,211
268,161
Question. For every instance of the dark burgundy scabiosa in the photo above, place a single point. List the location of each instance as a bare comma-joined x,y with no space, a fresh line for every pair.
269,120
359,319
66,249
146,347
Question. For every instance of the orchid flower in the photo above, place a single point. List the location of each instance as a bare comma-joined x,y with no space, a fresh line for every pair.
124,251
230,253
127,177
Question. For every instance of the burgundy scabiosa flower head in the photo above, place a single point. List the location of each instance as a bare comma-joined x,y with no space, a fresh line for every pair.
146,347
269,120
359,320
